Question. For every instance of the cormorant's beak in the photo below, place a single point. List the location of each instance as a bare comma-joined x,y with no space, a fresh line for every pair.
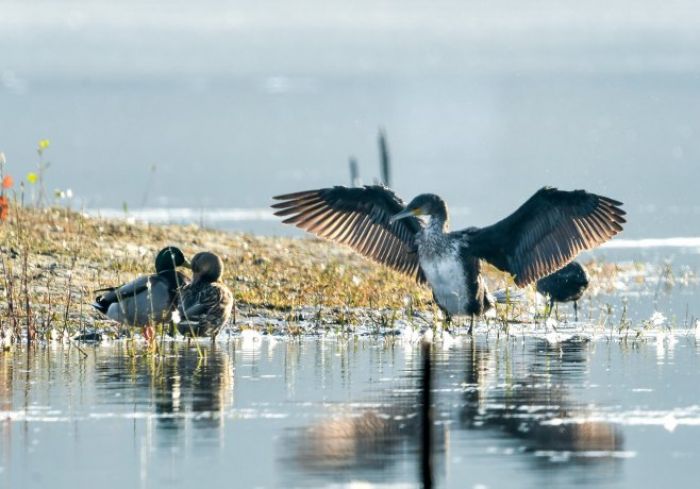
403,214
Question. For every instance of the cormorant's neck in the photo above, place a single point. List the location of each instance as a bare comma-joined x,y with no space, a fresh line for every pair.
438,223
437,212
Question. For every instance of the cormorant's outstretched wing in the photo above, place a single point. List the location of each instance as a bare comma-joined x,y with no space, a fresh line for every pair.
546,232
358,217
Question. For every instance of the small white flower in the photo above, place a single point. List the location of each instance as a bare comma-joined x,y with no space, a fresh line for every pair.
176,317
69,193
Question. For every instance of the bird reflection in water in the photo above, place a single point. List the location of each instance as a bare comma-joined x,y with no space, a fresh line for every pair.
535,406
529,403
199,386
179,385
367,437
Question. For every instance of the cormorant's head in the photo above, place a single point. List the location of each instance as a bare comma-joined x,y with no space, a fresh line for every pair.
169,258
207,266
424,205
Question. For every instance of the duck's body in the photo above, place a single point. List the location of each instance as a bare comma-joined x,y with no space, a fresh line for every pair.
206,303
565,285
540,237
133,305
148,299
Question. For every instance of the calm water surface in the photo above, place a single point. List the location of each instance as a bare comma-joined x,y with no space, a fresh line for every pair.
338,412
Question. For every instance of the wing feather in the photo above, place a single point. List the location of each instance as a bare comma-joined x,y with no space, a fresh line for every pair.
546,232
359,218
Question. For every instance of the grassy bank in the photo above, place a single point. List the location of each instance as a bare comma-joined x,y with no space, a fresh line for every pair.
53,259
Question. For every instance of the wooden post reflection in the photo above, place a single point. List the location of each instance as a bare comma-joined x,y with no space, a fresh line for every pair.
426,443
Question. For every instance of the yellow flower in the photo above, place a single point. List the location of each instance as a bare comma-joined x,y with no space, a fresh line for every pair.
43,144
31,177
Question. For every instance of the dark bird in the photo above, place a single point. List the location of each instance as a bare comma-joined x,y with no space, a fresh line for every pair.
206,303
147,299
565,285
543,235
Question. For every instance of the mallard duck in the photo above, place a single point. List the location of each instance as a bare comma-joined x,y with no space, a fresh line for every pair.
543,235
206,303
565,285
147,299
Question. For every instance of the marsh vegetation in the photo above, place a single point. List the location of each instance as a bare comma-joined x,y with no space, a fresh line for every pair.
54,258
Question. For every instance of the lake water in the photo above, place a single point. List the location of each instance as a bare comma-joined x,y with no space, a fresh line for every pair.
485,142
345,412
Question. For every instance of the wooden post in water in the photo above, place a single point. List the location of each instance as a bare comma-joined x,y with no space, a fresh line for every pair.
426,440
354,173
384,160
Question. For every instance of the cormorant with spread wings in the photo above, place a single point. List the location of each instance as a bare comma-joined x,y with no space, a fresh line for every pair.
542,236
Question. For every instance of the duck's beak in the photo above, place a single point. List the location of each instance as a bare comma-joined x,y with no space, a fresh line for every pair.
403,214
187,264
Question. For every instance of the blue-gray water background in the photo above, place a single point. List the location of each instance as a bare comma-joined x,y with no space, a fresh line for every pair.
232,102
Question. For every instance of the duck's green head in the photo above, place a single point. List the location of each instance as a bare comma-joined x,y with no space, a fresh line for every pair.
169,258
207,266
